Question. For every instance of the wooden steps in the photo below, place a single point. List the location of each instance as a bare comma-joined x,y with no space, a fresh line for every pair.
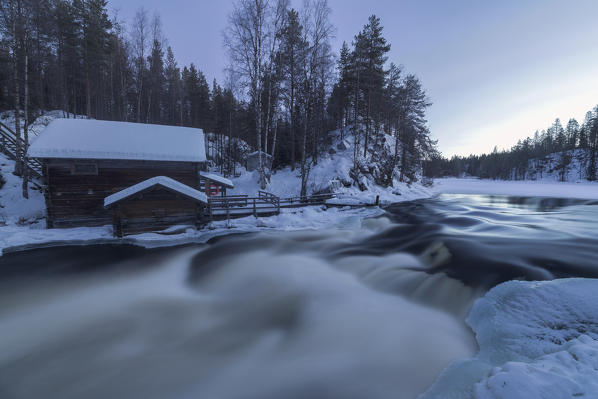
8,145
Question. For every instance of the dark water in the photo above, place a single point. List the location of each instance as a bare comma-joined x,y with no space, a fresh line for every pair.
372,312
492,239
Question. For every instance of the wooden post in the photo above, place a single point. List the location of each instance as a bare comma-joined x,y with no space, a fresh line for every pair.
198,216
377,200
117,225
227,212
254,208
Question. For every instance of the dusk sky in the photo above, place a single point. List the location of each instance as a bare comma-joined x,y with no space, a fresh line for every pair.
495,70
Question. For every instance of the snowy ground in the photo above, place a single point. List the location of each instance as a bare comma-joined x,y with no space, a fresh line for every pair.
286,183
584,190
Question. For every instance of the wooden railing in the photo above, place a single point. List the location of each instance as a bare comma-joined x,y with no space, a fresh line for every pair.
8,145
243,205
230,201
317,199
269,197
268,203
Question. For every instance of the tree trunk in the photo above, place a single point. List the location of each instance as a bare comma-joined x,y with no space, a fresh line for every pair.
355,127
395,157
403,160
139,94
259,148
87,80
367,126
304,168
267,129
17,98
26,130
274,144
292,123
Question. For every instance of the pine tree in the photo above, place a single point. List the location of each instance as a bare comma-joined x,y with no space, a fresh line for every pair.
173,89
156,82
293,51
370,49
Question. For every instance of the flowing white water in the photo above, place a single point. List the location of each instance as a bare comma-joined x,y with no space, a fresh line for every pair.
262,316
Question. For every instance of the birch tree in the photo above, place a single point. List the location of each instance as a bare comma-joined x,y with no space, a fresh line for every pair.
317,65
140,35
279,14
246,39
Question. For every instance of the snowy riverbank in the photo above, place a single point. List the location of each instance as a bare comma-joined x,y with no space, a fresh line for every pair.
520,188
23,223
537,340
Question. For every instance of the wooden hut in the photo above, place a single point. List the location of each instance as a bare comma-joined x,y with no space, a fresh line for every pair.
214,185
253,160
155,204
85,161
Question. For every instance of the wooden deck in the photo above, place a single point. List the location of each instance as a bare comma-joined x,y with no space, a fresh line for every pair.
237,206
265,204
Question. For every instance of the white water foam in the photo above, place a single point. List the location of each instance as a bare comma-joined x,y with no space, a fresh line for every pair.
267,322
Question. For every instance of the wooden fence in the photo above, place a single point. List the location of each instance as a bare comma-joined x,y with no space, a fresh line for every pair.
299,201
235,206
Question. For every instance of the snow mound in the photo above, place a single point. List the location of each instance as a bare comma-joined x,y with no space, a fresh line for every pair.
537,340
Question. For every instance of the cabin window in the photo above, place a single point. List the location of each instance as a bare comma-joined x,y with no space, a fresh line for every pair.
84,169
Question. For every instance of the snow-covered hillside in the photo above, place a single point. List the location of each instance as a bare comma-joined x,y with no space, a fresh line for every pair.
332,173
549,168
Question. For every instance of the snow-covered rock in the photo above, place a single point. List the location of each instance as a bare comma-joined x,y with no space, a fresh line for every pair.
537,340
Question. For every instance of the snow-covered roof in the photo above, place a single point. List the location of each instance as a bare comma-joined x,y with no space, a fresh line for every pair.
256,153
93,139
161,181
222,180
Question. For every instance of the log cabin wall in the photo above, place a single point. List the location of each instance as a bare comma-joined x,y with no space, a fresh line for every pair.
75,189
153,210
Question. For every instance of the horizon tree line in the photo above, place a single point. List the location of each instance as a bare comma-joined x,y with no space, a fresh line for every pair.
551,150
